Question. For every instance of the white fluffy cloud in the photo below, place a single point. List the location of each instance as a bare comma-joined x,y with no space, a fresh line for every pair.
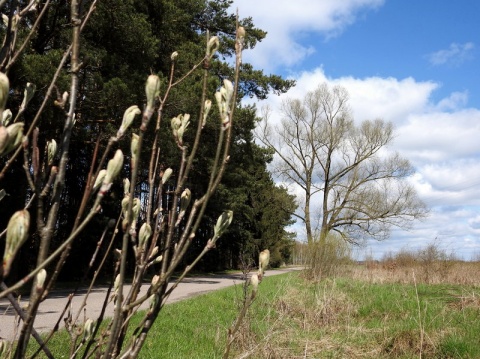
291,19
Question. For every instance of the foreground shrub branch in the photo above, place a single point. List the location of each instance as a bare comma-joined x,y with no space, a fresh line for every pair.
158,233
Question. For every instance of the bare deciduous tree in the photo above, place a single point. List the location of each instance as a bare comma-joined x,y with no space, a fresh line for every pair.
319,148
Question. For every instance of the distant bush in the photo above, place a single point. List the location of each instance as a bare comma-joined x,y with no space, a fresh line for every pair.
326,259
430,264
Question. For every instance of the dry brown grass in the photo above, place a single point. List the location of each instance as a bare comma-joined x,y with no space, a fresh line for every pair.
445,272
406,343
322,319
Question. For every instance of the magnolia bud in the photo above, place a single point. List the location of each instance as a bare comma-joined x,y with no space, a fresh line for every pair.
136,208
128,118
175,125
206,110
3,347
116,284
3,139
14,138
15,132
88,329
6,117
227,84
117,253
116,288
114,167
17,233
51,151
184,202
185,199
144,234
152,90
99,180
174,56
125,201
241,32
263,259
212,46
153,300
222,105
27,95
185,121
254,280
158,259
155,279
222,223
134,146
61,102
154,253
126,187
41,276
166,175
4,89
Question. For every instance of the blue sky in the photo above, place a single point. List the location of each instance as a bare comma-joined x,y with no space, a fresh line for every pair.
427,39
414,63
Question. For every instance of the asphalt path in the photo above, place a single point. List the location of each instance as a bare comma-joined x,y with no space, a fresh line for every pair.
50,310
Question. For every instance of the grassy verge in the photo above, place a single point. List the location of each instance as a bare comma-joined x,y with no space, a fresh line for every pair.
334,318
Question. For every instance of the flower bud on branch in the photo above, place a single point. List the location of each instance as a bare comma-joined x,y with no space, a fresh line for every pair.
17,233
6,118
184,202
99,180
212,46
179,125
152,91
223,222
128,118
51,151
254,280
114,167
126,187
40,279
223,98
144,235
134,149
4,89
206,110
166,175
3,347
263,260
10,139
27,96
88,329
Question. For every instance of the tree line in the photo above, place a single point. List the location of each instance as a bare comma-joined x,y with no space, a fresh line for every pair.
123,42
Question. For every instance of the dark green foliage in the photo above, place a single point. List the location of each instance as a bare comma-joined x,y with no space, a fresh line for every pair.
123,42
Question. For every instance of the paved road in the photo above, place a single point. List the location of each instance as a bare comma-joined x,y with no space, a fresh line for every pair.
50,309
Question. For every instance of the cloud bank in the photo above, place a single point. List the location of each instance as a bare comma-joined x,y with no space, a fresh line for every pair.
287,21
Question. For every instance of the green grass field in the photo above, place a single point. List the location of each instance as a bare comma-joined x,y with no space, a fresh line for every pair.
345,317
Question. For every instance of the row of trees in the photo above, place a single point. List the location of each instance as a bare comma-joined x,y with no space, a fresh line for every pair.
121,43
80,117
320,148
